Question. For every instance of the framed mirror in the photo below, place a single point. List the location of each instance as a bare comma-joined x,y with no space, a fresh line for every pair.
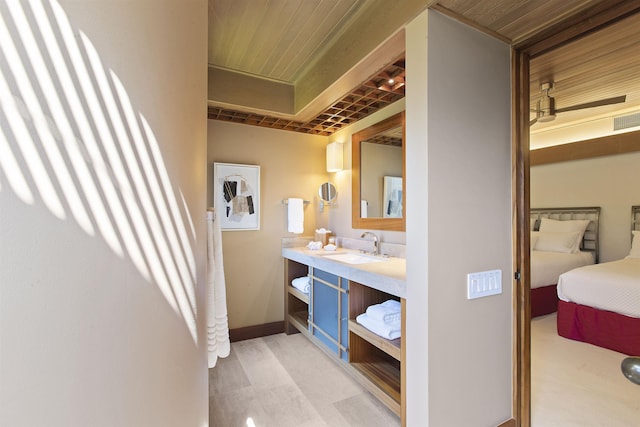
378,169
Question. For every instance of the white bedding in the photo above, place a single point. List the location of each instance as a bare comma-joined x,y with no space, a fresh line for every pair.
612,286
547,266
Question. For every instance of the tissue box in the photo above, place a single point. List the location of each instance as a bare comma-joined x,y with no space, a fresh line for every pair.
323,237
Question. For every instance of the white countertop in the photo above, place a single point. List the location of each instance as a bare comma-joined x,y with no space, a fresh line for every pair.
387,276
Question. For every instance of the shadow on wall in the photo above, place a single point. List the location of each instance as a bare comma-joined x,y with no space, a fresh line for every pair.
71,140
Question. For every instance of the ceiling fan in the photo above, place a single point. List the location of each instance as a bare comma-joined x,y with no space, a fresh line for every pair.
546,107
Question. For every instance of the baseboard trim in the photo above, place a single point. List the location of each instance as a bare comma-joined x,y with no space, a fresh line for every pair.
256,331
509,423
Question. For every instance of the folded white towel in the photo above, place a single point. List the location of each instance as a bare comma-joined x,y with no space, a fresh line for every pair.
295,215
387,312
389,331
302,284
314,246
391,303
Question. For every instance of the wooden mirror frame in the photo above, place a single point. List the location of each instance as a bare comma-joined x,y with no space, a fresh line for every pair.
390,224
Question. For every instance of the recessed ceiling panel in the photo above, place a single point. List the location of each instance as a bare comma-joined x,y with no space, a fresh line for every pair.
273,38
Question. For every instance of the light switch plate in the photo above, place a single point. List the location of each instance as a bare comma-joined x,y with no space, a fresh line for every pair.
484,283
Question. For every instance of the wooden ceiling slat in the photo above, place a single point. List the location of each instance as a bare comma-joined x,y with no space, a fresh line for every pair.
319,26
274,39
548,12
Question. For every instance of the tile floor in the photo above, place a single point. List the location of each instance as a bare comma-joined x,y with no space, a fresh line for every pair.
285,380
281,381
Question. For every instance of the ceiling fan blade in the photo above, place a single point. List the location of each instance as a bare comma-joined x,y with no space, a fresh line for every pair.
600,103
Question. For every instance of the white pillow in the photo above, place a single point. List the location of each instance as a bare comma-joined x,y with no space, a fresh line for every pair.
635,245
553,225
557,241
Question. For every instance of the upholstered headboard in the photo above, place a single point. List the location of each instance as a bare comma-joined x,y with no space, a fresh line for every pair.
590,238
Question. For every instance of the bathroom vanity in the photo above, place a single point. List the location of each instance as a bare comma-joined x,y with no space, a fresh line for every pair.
342,285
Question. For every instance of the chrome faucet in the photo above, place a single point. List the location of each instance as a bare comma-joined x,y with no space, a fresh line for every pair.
376,249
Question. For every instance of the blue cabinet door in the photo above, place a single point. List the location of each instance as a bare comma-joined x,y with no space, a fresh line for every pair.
329,311
344,321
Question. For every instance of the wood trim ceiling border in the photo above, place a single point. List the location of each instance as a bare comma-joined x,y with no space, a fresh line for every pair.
622,143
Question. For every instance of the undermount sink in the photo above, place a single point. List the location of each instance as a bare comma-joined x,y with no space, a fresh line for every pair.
353,258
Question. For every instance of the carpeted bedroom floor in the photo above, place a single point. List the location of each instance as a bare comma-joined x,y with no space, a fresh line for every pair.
578,384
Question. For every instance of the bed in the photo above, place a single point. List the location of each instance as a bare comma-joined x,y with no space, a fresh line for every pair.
557,247
600,304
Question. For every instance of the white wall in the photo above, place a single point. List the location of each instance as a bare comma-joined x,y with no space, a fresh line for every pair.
416,152
292,164
458,221
102,231
608,182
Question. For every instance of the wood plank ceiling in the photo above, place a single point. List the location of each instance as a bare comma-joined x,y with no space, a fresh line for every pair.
280,40
601,65
273,39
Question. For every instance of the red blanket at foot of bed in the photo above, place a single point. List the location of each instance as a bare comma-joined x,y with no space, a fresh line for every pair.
602,328
544,300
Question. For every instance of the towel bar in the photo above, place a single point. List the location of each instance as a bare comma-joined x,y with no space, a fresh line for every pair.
286,202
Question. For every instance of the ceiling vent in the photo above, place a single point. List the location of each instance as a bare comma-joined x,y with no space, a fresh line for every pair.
628,121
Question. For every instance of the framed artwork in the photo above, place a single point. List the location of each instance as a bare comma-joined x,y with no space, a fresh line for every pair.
236,196
392,197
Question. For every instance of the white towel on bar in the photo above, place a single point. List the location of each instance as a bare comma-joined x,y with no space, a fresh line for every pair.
364,207
218,344
295,209
387,312
302,284
390,331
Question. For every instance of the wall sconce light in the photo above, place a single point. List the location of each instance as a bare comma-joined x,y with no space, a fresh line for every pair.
334,157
